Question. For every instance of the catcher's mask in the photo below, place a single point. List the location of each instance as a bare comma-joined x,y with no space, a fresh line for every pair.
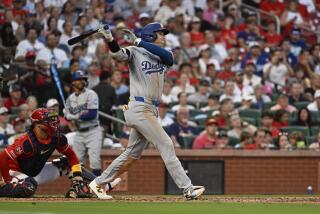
46,118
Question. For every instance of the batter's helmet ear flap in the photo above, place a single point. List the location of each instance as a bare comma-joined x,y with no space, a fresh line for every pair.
148,33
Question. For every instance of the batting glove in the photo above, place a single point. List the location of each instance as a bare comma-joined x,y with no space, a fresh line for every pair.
106,33
132,37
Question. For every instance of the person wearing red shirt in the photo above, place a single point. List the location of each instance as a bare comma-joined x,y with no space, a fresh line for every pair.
272,37
274,7
226,73
24,166
208,138
267,120
197,37
15,99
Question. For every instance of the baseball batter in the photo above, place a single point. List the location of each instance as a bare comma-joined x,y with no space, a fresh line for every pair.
148,61
82,108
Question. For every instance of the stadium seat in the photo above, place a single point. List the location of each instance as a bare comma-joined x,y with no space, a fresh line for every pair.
250,120
268,105
251,113
315,116
188,141
315,130
300,105
302,129
233,141
195,112
15,110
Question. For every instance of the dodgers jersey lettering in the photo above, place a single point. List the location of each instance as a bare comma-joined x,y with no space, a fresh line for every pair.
146,72
87,99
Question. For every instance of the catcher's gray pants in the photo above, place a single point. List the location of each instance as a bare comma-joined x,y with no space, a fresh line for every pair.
90,141
142,118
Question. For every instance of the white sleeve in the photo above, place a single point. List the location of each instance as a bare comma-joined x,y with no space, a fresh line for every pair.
93,101
124,54
20,51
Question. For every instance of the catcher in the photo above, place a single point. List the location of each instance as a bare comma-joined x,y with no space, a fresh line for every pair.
24,165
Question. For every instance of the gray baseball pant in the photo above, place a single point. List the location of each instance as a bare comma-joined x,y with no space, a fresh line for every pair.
90,141
142,118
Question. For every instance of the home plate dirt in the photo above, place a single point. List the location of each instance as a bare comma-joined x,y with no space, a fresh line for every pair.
166,198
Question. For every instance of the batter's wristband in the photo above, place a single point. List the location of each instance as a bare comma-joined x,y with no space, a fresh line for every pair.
76,168
114,47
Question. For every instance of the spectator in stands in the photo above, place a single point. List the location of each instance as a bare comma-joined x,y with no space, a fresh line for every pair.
272,37
19,129
283,141
208,138
202,95
259,98
246,102
226,73
93,78
217,49
213,103
286,48
166,97
234,11
304,118
216,87
167,10
183,86
315,105
280,119
229,89
32,103
296,41
222,141
249,78
315,18
68,13
164,118
50,53
274,7
24,114
283,103
187,51
278,69
238,126
296,93
67,33
82,24
222,115
296,140
183,127
315,57
30,43
197,37
228,33
292,16
8,38
315,145
205,59
246,142
267,120
6,128
182,99
53,105
117,83
262,139
15,99
107,99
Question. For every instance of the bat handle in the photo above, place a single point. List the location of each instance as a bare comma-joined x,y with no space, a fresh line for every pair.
106,27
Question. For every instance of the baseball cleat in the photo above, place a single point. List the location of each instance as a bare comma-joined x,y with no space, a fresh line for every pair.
99,191
112,184
195,193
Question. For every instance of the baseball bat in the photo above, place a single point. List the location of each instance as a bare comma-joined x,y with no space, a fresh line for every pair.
84,35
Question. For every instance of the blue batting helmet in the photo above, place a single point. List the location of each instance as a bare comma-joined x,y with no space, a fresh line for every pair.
148,33
77,75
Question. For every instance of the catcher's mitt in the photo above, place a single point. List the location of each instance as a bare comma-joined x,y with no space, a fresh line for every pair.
79,189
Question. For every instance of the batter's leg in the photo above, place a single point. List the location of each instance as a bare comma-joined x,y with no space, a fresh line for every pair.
48,173
94,141
137,144
79,147
150,128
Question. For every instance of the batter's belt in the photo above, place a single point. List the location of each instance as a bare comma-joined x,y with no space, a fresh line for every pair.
156,103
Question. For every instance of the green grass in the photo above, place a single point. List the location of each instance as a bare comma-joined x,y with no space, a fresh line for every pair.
154,208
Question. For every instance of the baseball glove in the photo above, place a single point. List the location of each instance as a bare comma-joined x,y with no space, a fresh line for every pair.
78,189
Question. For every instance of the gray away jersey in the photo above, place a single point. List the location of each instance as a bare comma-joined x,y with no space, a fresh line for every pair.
88,99
146,71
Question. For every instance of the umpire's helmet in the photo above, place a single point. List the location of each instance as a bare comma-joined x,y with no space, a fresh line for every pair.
148,33
79,75
50,119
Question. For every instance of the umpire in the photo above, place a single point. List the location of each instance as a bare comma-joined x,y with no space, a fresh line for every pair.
82,109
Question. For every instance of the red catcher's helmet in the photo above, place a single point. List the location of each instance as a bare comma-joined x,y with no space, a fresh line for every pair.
50,119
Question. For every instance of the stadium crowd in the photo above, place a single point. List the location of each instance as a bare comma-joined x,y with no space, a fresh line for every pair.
235,84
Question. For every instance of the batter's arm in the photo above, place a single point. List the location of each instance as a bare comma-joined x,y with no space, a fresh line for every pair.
165,56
